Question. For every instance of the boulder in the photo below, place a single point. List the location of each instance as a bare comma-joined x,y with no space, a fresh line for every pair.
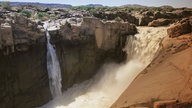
158,14
179,28
144,20
106,34
182,13
159,22
18,34
108,15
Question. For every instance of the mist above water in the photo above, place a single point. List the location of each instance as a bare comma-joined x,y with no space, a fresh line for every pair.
108,84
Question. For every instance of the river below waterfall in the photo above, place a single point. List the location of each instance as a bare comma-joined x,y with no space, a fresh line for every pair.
108,84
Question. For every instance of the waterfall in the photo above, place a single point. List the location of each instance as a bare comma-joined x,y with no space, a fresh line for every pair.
112,79
53,67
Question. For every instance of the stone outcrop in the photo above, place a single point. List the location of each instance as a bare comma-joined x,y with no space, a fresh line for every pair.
26,32
144,20
113,15
159,22
172,15
106,33
18,33
179,28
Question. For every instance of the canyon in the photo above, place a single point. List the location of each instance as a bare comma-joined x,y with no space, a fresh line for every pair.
83,44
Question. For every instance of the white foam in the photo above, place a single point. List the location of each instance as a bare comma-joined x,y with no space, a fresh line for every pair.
53,67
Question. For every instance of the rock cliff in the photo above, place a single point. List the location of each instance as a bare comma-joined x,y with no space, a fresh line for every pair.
81,50
88,46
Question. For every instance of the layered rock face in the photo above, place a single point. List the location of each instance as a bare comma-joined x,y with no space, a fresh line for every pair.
81,50
24,79
23,75
17,33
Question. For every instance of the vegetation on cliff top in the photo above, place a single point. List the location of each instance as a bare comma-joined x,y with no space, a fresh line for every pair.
5,5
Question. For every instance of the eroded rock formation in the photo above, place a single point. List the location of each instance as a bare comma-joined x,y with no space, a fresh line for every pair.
18,33
179,28
81,51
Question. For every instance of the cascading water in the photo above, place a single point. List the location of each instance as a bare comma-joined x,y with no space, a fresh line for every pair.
53,67
112,79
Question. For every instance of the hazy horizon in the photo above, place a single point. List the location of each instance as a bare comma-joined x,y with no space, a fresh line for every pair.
174,3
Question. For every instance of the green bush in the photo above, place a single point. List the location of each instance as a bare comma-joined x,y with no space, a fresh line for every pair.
26,13
42,15
53,16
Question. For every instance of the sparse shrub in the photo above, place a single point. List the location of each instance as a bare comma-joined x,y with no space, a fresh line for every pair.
42,16
52,16
6,5
26,13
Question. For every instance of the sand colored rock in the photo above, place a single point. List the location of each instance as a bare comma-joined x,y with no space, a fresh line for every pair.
180,28
167,77
159,22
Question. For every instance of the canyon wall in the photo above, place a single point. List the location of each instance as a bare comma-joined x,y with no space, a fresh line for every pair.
81,51
23,74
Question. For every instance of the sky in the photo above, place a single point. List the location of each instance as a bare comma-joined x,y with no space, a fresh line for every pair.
174,3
